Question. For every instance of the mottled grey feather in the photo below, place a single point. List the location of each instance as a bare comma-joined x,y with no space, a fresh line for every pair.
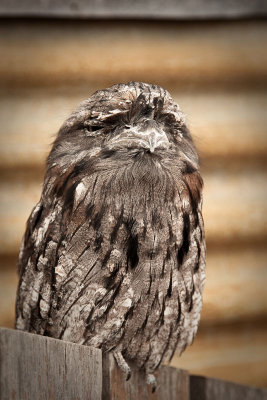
114,253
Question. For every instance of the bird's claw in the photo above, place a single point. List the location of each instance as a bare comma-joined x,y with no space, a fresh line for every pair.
123,365
151,381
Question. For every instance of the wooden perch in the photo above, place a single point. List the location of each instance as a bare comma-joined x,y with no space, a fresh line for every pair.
34,367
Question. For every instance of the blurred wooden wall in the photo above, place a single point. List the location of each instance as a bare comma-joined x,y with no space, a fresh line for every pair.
217,72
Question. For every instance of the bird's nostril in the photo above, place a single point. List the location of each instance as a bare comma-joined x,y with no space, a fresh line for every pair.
150,123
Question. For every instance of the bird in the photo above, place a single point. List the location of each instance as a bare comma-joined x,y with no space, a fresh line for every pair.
113,255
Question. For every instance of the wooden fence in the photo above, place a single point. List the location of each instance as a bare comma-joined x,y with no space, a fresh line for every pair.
34,367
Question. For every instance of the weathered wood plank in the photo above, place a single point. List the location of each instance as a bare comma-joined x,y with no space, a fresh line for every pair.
202,388
235,351
134,9
49,53
37,367
236,283
172,384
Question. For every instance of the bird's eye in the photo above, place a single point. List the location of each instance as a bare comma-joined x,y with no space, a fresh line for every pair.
94,128
127,126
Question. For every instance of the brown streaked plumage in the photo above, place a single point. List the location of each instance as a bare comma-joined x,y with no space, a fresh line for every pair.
114,252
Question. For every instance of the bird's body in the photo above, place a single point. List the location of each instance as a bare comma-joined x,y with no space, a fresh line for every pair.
114,253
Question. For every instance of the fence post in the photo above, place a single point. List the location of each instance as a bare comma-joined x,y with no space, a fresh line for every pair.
202,388
172,383
34,367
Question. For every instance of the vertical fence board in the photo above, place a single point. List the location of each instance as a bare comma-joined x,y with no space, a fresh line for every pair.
34,367
31,368
172,383
202,388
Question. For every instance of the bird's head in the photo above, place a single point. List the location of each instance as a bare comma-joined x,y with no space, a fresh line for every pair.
127,119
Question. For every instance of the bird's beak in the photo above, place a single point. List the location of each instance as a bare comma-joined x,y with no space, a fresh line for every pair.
149,136
152,141
156,138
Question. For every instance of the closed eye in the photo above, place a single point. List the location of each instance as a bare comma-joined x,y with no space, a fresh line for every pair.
94,128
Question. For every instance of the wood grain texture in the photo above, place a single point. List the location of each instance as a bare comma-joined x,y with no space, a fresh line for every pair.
134,9
235,352
35,367
209,389
46,53
172,384
236,285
